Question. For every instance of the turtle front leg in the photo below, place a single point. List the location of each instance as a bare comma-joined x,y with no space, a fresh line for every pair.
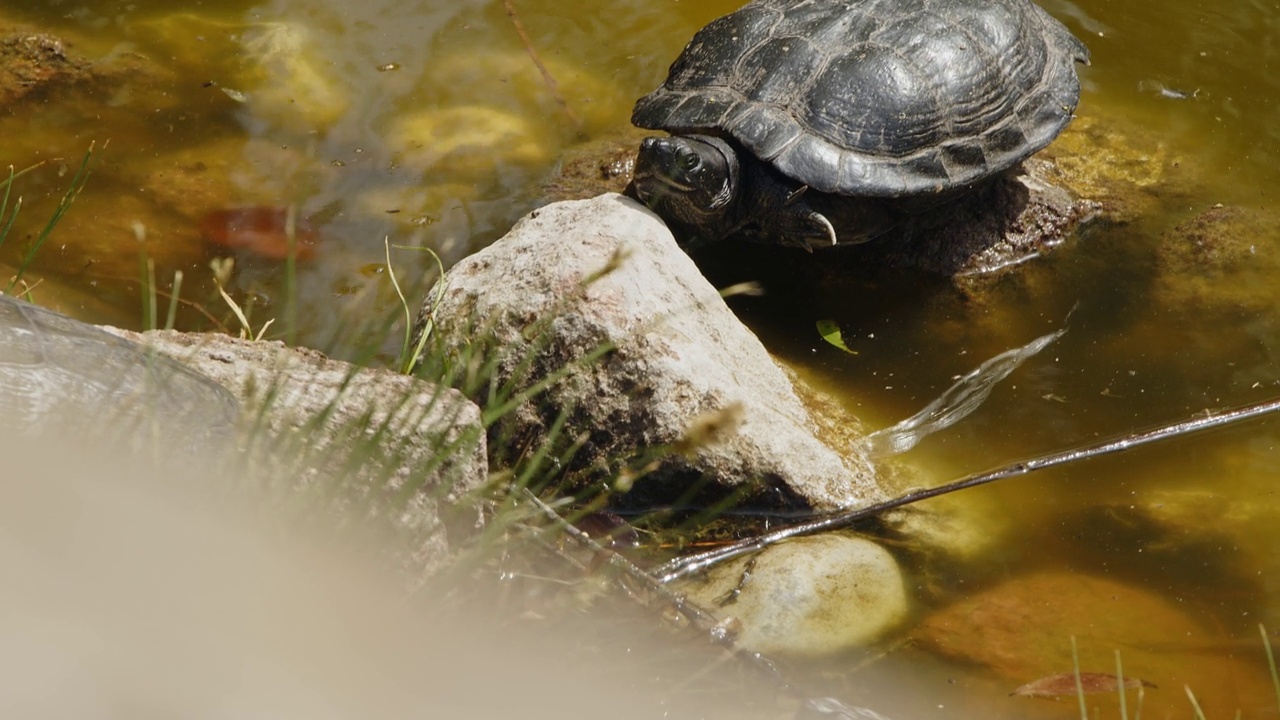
779,213
810,226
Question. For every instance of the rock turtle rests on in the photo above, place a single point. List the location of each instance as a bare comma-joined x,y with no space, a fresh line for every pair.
812,122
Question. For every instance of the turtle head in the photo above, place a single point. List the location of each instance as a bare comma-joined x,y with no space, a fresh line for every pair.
691,180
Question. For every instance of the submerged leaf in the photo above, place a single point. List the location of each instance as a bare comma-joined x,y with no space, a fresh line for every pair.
1053,686
264,231
957,402
830,332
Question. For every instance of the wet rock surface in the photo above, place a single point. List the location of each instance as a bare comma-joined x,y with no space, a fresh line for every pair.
1015,218
572,277
1111,160
594,168
31,61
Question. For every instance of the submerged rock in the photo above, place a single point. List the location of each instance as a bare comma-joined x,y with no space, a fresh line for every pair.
473,142
292,82
48,81
1021,630
809,596
30,62
581,101
40,67
683,373
1213,261
1223,523
600,166
1115,162
279,70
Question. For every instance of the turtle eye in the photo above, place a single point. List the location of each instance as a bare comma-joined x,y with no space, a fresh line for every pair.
689,161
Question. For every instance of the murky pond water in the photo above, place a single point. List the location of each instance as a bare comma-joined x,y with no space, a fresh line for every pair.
425,123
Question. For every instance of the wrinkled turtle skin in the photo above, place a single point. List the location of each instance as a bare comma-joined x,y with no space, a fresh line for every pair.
821,121
59,375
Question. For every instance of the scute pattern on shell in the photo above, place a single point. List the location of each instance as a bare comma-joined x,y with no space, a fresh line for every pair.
879,98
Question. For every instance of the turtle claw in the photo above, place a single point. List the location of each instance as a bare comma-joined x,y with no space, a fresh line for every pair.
824,231
808,230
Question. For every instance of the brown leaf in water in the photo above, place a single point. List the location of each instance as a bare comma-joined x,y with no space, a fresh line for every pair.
1053,686
260,230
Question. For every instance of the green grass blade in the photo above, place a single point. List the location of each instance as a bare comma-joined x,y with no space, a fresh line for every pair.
17,205
4,233
172,315
1194,703
1124,710
15,175
291,277
1271,661
148,293
4,205
410,357
77,184
1075,666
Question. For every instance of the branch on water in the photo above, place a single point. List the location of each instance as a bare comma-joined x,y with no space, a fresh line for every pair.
683,566
552,86
703,620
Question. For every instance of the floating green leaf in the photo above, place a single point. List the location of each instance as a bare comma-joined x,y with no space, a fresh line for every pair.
830,331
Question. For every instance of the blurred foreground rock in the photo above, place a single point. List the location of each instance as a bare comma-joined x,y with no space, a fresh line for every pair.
64,377
683,372
128,594
366,444
378,441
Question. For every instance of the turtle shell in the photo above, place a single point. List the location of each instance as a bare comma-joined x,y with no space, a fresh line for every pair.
880,98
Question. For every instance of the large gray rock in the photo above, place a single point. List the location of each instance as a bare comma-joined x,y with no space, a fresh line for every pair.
575,276
385,449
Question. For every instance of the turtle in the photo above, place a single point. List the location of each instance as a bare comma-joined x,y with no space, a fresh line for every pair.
815,122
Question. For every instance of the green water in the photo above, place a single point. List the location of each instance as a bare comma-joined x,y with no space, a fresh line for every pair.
321,125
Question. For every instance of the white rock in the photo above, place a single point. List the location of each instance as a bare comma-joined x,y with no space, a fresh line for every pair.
681,356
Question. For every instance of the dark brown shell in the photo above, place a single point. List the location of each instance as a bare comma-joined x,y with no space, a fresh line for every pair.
880,98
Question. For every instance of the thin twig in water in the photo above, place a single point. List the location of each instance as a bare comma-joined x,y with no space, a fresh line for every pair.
552,86
689,564
700,618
